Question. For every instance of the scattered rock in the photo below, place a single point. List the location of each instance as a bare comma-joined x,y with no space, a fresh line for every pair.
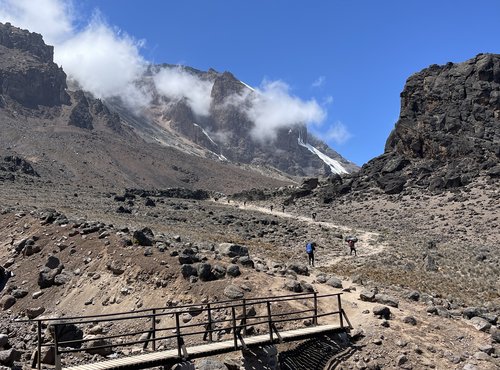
382,312
234,292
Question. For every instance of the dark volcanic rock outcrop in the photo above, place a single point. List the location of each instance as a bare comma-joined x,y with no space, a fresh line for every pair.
447,134
28,74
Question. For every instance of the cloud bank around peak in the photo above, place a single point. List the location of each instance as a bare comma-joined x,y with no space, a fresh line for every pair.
107,62
177,84
272,107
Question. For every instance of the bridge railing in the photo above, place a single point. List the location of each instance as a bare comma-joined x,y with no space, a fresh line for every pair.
189,324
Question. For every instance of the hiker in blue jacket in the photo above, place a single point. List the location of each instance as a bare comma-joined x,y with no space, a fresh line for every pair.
310,248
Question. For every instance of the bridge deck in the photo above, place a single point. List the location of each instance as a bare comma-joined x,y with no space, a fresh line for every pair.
162,357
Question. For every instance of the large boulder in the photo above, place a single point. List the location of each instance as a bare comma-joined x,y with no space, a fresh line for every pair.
205,272
143,237
233,292
9,356
334,282
387,300
299,268
232,250
7,301
233,270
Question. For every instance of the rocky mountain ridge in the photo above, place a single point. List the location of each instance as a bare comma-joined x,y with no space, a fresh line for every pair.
70,136
447,135
226,130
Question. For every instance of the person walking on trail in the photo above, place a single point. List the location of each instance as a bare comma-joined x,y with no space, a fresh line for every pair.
310,248
314,216
351,242
271,207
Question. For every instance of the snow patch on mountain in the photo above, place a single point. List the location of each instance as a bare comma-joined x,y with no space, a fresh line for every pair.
334,165
250,87
220,156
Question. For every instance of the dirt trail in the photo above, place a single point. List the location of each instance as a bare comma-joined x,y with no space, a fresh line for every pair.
367,239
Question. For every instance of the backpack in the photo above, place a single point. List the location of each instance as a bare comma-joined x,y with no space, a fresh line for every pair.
309,248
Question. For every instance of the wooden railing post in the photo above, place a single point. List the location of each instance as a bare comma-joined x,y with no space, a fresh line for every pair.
315,318
209,328
270,320
178,330
39,345
235,338
56,348
244,322
340,312
153,328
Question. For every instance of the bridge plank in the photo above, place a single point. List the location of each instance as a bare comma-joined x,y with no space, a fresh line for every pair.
150,359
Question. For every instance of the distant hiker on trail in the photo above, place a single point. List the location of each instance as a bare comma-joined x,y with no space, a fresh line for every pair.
314,216
310,248
351,242
271,207
283,209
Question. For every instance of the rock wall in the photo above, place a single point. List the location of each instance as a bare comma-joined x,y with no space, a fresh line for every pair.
448,132
28,74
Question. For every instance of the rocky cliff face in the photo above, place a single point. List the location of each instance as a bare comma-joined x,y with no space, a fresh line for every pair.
28,74
448,132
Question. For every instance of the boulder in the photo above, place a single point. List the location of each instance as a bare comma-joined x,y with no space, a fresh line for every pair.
67,333
306,287
52,262
4,341
334,282
480,324
495,334
143,237
7,301
246,261
205,272
210,364
188,270
382,312
115,267
34,312
233,270
219,272
293,286
321,278
367,296
9,356
19,293
299,268
232,250
410,320
97,342
387,300
233,292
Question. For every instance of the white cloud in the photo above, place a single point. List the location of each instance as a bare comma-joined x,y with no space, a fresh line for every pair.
338,133
52,18
105,62
101,59
177,83
273,107
320,81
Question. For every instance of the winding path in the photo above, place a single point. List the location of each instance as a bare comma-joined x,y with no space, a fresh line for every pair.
368,239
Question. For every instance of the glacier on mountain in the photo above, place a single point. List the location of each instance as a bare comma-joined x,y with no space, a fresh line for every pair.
334,165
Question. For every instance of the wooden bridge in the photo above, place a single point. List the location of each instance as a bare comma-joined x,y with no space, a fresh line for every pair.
168,335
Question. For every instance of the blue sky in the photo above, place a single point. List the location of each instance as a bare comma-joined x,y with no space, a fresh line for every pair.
351,56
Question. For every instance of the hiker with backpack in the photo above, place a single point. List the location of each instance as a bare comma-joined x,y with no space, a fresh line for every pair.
310,248
351,242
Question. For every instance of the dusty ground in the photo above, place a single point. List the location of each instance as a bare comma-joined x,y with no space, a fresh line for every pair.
397,234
